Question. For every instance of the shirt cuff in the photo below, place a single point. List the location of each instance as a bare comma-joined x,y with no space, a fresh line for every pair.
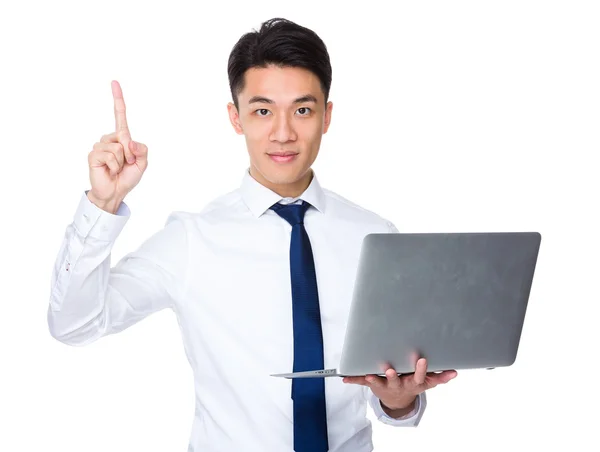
410,419
91,221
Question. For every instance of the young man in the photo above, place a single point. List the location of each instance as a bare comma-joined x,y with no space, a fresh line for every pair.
260,281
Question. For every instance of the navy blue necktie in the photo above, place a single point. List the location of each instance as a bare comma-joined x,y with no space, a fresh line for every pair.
308,394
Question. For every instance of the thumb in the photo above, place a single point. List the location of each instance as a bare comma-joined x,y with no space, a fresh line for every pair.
139,150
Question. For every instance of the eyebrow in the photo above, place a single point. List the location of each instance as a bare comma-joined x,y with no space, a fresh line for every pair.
299,100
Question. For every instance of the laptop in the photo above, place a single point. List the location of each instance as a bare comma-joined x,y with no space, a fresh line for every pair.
457,299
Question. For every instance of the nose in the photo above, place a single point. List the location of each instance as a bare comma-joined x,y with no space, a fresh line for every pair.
282,130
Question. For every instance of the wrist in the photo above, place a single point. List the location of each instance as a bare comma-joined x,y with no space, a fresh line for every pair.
108,205
400,410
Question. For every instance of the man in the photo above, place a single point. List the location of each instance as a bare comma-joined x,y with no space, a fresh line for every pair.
260,281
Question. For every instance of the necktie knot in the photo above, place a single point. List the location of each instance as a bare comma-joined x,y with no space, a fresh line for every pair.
292,213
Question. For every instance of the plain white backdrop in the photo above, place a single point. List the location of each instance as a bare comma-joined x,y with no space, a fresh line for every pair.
448,116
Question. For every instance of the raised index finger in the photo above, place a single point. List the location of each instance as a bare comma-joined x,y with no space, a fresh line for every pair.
120,118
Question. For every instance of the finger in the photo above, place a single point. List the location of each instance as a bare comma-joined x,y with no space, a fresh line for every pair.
112,165
121,127
109,138
98,159
104,158
376,381
443,377
139,150
355,380
420,372
392,377
115,148
120,115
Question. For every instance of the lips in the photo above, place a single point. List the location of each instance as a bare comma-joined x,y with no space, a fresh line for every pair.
283,154
283,157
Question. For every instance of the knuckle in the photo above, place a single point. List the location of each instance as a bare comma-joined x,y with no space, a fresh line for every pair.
108,138
118,155
117,148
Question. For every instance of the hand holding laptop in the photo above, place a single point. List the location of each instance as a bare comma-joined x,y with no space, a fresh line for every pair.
398,392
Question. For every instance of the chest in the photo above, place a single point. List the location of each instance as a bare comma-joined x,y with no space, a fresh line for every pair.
239,279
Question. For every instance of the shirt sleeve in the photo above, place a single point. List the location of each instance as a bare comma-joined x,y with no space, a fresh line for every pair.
88,298
411,419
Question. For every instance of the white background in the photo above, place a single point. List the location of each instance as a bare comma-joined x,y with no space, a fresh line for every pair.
448,116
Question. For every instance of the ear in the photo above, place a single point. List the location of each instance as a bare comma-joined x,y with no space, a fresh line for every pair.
234,118
327,119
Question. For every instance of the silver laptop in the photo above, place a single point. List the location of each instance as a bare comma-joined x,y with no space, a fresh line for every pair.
457,299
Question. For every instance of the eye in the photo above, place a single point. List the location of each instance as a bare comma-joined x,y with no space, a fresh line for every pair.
263,112
305,111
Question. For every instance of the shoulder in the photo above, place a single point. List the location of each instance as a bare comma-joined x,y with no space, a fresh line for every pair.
345,208
218,209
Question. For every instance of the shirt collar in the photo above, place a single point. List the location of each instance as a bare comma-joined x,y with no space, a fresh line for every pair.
259,198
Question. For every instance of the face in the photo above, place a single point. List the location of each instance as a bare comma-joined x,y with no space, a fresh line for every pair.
282,114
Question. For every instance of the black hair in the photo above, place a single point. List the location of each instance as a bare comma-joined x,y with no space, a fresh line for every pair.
282,43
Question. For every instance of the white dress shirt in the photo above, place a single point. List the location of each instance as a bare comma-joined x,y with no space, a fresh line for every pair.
225,273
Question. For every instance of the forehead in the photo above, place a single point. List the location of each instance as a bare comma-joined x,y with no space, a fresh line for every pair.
282,84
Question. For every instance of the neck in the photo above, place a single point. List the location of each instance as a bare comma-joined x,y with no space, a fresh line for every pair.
291,190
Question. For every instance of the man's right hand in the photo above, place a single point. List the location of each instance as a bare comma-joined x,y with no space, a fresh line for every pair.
116,161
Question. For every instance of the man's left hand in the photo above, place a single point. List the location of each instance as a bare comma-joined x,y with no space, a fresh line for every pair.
398,392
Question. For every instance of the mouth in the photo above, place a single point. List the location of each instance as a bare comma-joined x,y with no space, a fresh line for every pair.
282,157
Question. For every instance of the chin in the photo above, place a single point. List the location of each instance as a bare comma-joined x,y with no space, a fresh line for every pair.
283,179
282,175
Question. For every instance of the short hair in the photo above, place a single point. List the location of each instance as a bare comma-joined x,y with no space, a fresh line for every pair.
282,43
